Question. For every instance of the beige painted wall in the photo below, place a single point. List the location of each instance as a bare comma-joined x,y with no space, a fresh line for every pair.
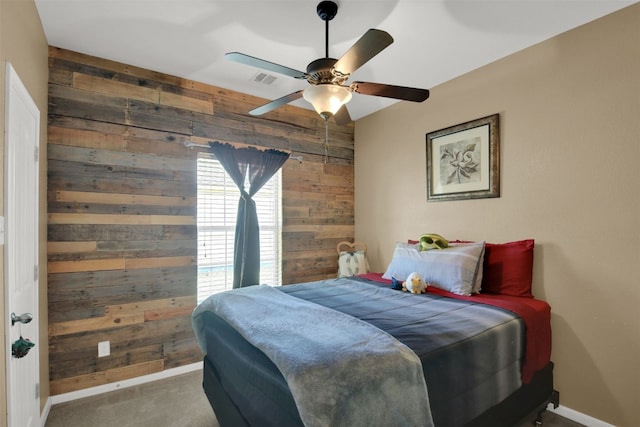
570,140
22,42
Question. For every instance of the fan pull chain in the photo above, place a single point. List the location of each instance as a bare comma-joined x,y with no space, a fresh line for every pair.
326,141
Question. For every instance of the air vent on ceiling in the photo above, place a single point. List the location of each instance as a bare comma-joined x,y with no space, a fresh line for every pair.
263,78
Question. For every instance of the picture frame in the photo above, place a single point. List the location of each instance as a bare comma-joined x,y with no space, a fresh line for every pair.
463,161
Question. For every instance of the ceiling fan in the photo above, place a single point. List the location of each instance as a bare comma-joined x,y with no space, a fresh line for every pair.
327,76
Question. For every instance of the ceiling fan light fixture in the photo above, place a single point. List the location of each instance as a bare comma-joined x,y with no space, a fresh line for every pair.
327,98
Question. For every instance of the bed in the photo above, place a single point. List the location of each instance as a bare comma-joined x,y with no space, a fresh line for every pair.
482,358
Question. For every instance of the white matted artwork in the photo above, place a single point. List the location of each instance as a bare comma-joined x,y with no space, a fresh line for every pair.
463,161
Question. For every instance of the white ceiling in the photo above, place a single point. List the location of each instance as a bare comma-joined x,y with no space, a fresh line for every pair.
435,40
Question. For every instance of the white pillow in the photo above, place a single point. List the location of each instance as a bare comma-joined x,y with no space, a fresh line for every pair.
454,269
352,263
477,286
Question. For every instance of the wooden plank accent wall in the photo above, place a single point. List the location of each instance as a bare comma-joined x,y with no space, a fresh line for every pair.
122,229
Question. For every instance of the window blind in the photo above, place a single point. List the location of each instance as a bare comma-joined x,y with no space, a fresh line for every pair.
217,210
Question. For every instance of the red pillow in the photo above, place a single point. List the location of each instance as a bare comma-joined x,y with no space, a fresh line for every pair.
508,268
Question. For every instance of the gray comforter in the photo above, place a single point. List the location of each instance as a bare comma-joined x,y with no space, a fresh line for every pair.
471,353
342,371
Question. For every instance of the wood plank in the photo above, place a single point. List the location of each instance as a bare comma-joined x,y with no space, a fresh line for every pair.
321,264
147,245
71,247
160,262
87,175
71,96
101,112
83,282
174,149
86,362
150,250
117,184
101,208
79,382
78,304
122,338
155,139
175,359
154,121
129,356
89,265
296,242
169,313
83,325
306,195
74,310
318,253
84,138
114,88
125,199
142,306
186,103
77,67
317,228
307,277
112,66
303,187
60,77
84,232
347,220
72,218
296,212
118,158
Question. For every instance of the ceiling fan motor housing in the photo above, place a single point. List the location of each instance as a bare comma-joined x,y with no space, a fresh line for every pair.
327,10
320,71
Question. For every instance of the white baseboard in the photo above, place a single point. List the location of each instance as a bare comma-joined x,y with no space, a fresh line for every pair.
578,417
45,412
93,391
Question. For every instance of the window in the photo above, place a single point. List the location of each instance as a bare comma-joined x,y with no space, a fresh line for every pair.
217,210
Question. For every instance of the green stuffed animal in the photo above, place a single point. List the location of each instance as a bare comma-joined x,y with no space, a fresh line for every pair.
430,241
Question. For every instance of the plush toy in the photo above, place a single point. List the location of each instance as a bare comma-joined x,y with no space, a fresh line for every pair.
396,285
415,284
432,241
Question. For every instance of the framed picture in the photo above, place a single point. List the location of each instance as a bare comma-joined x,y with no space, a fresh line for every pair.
463,161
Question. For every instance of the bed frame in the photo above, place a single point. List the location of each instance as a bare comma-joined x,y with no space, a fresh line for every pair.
531,399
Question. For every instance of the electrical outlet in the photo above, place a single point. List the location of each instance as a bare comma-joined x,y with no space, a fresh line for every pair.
104,348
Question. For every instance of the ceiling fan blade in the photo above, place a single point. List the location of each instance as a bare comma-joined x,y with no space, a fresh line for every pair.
263,109
265,65
342,116
390,91
369,45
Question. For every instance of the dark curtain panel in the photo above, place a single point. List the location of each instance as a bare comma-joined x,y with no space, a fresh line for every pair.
258,166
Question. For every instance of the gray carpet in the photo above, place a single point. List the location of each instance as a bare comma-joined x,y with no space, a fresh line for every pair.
177,401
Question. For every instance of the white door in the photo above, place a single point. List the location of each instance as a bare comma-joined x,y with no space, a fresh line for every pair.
22,121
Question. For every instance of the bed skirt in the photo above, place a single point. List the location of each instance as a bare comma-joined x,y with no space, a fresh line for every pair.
528,399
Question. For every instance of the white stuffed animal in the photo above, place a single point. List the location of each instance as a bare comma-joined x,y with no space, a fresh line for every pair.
415,284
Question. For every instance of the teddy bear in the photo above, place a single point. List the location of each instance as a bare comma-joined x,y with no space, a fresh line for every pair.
415,284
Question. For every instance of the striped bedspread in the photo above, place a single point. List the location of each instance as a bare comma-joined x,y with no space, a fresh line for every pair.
471,353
